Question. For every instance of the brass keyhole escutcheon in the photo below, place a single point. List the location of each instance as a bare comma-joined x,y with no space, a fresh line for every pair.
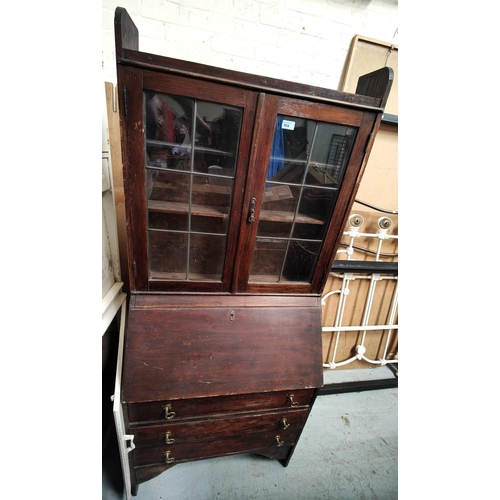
168,439
168,414
168,458
284,423
289,398
280,443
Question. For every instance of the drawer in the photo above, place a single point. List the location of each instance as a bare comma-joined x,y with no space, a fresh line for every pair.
174,410
216,428
144,473
181,452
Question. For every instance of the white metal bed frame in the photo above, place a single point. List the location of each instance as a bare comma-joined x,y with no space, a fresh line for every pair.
355,222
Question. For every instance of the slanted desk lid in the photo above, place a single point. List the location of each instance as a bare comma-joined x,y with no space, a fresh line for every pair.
181,347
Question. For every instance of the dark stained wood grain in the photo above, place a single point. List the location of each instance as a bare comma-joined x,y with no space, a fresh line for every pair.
226,354
201,352
139,413
145,473
319,112
242,173
214,448
377,83
262,138
134,82
168,301
261,99
126,32
216,428
132,134
247,80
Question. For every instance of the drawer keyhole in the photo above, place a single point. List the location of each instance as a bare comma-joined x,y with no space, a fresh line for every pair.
168,414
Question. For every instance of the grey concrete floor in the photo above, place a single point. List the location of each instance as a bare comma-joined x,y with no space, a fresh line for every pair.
348,450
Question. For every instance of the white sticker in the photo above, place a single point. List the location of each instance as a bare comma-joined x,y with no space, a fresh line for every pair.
289,125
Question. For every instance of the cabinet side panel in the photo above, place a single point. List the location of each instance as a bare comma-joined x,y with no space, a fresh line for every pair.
132,132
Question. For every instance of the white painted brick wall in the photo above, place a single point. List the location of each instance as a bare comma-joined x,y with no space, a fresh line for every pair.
304,41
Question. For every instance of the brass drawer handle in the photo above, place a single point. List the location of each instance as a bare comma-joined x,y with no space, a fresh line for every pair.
168,439
289,399
280,443
168,414
284,423
168,458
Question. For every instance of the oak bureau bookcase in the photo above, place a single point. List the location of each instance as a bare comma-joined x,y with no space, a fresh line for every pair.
237,189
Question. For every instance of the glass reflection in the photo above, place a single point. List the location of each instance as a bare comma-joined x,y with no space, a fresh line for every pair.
191,156
167,255
206,257
300,260
267,261
316,206
306,167
168,198
278,209
178,126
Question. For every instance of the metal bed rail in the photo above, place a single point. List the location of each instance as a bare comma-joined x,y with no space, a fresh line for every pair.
376,271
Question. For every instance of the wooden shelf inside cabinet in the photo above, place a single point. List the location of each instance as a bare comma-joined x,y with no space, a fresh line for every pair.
155,275
172,207
197,188
165,146
281,216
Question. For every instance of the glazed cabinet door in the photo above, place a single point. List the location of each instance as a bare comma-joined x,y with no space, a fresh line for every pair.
188,154
305,164
233,191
